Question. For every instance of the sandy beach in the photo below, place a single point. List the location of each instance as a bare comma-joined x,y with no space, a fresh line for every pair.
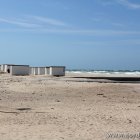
57,108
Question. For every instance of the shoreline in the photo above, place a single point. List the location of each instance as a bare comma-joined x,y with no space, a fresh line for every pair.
118,78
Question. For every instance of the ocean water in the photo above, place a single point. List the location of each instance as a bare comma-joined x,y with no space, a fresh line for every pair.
106,72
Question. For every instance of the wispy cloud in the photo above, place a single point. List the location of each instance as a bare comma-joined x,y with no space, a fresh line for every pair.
126,3
75,32
19,23
103,20
129,4
38,24
33,22
116,42
93,32
46,20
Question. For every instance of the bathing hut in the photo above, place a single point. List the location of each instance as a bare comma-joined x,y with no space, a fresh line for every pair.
57,70
19,70
6,67
34,70
41,70
47,70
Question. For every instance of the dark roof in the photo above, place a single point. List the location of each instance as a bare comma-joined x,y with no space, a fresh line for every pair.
8,64
14,65
57,66
20,65
37,67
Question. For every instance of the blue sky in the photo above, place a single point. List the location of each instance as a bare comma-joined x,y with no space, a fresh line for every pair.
80,34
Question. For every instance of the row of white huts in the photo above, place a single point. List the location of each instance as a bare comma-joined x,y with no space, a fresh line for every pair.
27,70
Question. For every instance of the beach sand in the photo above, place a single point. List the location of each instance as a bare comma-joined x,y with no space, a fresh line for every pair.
57,108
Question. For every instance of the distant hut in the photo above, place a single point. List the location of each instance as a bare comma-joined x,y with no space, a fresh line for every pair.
57,70
19,70
47,70
26,70
31,71
41,70
6,67
34,71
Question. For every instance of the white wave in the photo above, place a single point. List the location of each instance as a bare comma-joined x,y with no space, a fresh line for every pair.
74,72
132,73
106,72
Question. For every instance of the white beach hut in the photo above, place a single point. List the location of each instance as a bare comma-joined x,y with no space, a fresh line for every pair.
57,70
37,70
47,70
19,70
34,70
2,67
41,70
6,67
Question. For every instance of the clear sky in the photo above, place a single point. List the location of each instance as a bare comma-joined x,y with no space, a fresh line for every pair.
80,34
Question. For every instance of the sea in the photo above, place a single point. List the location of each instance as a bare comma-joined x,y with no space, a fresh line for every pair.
106,72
